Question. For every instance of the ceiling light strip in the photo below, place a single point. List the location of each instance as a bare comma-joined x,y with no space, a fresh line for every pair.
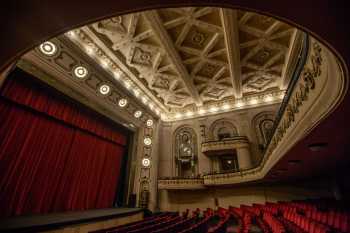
109,64
244,103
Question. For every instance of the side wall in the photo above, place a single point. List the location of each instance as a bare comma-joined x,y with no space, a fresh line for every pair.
241,119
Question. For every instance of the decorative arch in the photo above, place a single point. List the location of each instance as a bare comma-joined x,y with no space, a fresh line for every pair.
263,125
222,128
185,151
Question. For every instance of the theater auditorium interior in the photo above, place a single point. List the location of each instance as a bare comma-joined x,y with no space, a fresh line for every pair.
174,116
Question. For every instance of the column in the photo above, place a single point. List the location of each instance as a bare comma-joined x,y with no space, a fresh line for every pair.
163,200
243,157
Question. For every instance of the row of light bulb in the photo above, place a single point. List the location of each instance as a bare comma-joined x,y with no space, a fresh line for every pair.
105,63
226,107
48,48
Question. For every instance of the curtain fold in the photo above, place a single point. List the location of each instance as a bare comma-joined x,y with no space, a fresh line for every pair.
20,88
51,158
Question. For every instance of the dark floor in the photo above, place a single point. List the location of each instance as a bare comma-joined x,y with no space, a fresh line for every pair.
56,219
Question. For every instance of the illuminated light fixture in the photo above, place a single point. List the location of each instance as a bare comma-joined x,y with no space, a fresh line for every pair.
104,64
89,50
117,75
149,123
189,113
137,114
253,101
144,100
127,84
213,109
317,146
132,125
48,48
71,34
147,141
136,92
225,107
80,72
122,102
201,111
146,162
178,115
151,106
104,89
268,98
239,104
157,111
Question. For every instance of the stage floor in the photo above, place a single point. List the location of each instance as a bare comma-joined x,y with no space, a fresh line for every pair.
49,221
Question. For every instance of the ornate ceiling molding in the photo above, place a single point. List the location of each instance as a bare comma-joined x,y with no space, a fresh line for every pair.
194,61
230,25
291,59
159,30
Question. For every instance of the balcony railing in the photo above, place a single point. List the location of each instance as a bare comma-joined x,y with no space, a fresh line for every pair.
224,145
238,175
317,86
181,183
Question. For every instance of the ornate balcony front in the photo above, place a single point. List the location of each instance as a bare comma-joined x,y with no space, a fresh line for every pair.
224,146
181,183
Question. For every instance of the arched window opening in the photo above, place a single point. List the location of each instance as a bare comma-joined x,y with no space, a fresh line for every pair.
186,152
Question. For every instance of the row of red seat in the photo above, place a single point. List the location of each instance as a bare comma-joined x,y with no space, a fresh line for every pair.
305,223
253,210
335,219
264,227
201,226
294,217
275,225
222,224
244,219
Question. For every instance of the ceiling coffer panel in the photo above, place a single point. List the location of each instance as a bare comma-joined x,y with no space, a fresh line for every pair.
197,55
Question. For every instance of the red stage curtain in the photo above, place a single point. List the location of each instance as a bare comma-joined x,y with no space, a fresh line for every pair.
48,165
21,89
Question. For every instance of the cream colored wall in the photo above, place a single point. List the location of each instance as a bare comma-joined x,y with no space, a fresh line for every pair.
242,120
180,200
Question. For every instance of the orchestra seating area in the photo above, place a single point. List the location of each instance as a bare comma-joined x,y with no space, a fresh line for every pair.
310,216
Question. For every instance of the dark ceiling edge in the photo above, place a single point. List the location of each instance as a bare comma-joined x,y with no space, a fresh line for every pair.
238,5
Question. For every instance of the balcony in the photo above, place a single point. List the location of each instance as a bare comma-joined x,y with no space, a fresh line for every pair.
224,146
316,88
183,183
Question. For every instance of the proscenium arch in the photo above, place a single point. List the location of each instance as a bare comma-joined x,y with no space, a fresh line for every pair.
47,20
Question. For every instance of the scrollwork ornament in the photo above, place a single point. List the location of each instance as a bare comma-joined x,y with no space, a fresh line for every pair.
307,84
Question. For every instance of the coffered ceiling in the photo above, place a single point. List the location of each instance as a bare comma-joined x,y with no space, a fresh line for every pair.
194,58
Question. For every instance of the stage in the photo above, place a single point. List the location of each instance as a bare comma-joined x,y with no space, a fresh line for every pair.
54,221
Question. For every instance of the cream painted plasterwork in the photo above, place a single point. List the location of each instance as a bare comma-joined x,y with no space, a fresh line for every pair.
95,88
189,62
228,144
320,88
181,184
